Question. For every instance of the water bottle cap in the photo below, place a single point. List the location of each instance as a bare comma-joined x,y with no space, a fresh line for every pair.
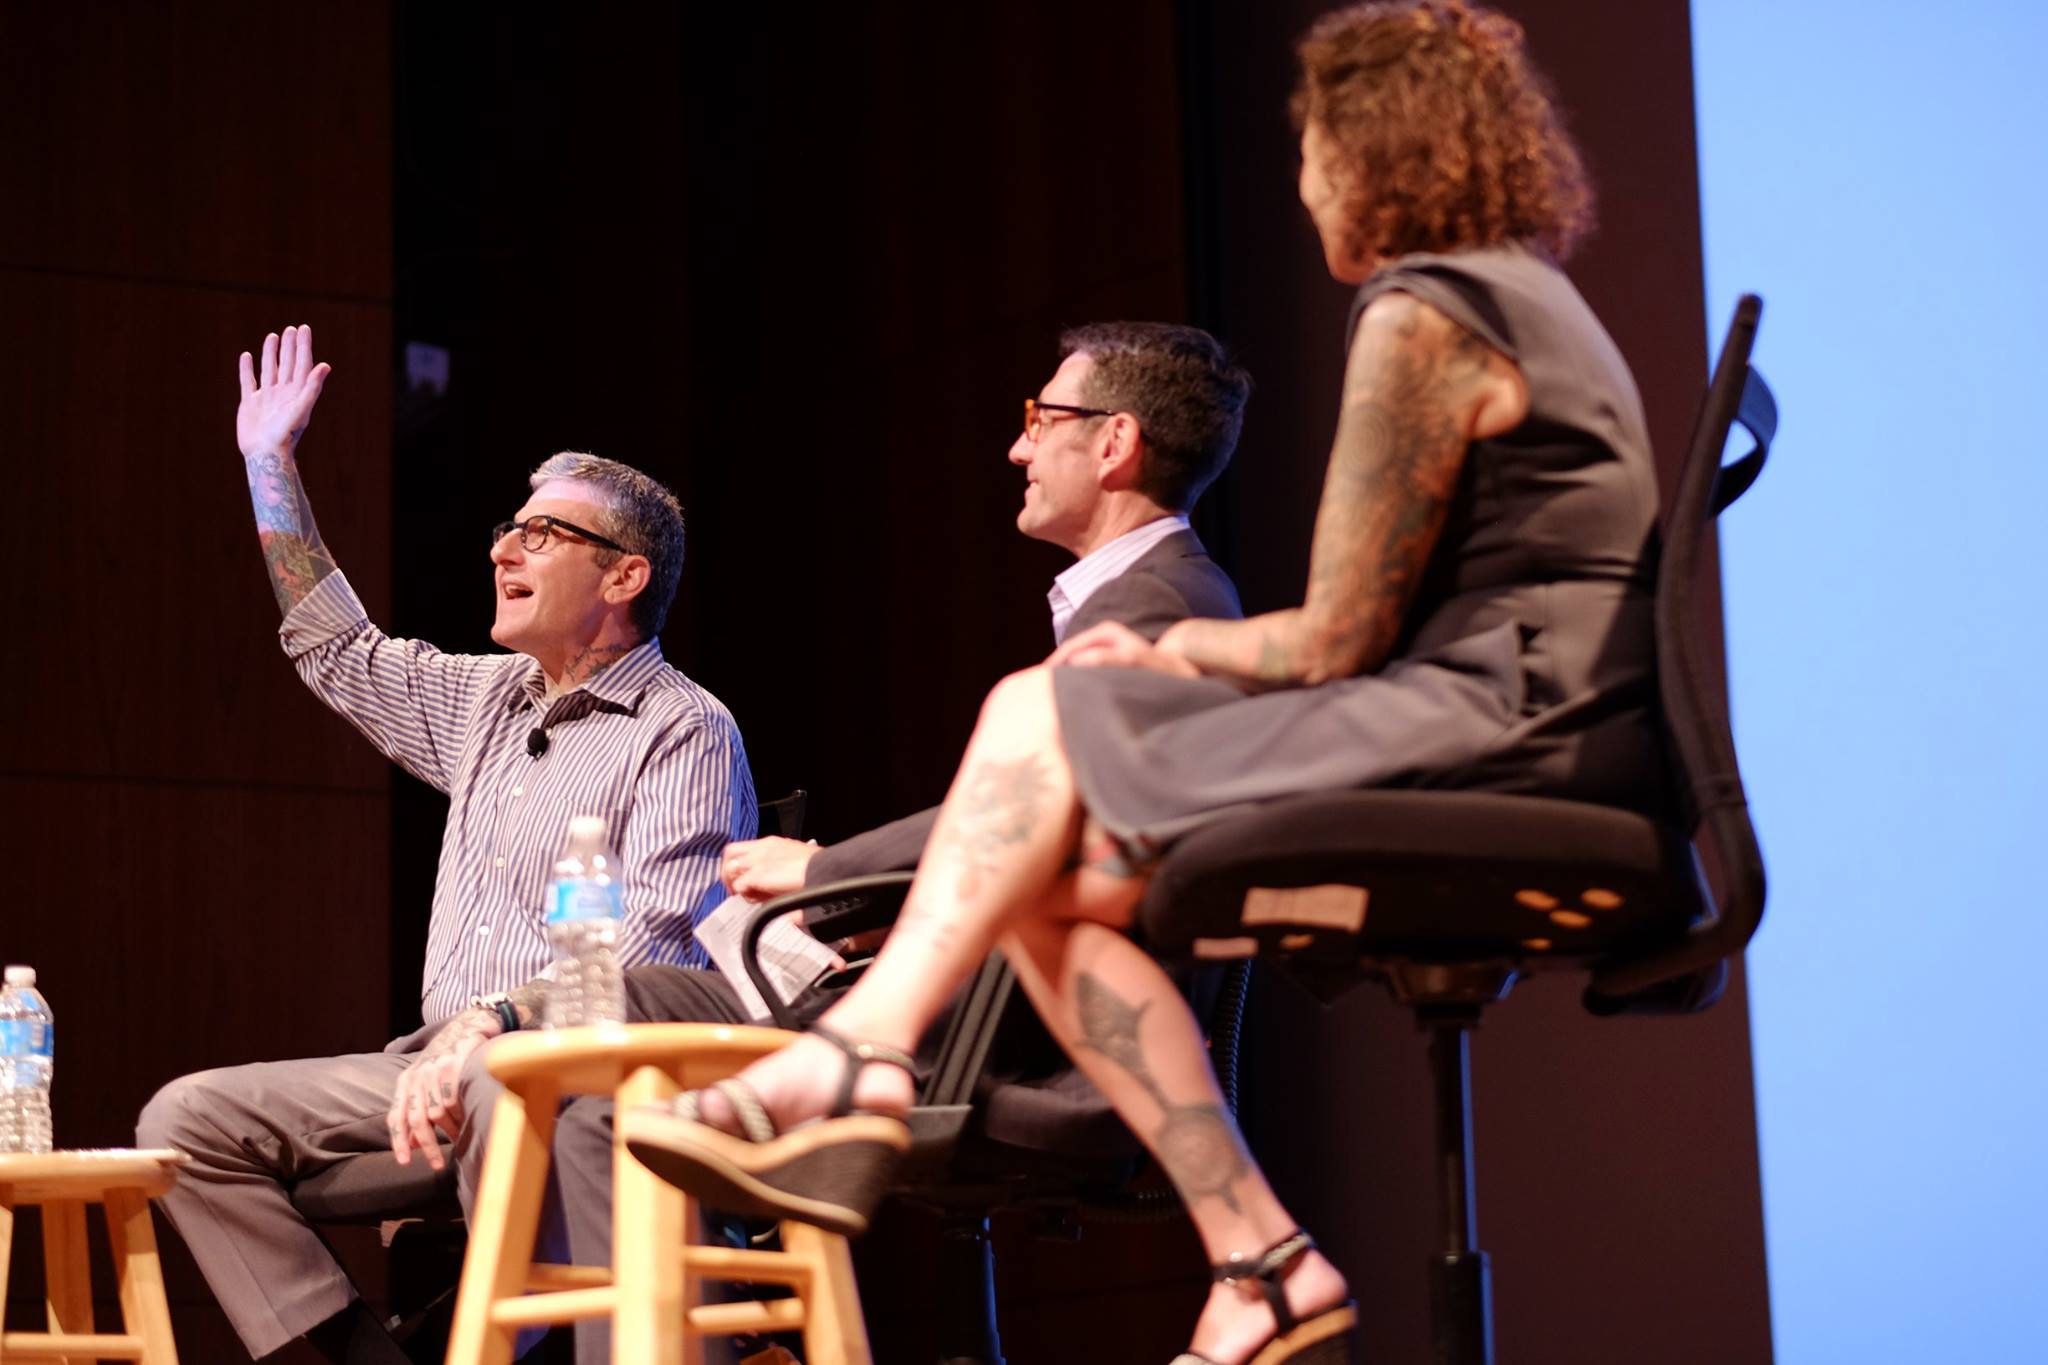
21,976
586,827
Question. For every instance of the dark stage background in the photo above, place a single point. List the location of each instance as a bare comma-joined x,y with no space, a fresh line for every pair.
802,266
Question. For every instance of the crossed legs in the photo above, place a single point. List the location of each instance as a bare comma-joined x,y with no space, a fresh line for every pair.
1001,867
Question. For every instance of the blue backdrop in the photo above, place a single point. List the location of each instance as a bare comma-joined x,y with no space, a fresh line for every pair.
1876,172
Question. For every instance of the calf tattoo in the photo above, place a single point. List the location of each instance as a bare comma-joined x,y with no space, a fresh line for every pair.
1196,1143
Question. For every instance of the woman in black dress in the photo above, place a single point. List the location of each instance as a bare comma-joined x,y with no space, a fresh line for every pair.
1476,614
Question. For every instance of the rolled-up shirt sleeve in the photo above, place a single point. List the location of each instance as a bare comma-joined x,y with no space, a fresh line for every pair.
408,698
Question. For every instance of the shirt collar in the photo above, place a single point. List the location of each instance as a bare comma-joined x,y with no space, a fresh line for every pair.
620,686
1073,586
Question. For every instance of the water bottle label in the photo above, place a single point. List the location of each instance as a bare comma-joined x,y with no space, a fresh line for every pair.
25,1038
580,900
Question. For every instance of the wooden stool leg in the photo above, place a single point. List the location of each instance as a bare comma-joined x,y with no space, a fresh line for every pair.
66,1272
834,1331
503,1224
6,1253
650,1220
145,1311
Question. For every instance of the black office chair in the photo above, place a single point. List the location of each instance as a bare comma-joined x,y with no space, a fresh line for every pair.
1468,891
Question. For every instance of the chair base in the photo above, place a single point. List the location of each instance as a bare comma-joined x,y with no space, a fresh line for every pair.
1461,1308
1460,1285
967,1283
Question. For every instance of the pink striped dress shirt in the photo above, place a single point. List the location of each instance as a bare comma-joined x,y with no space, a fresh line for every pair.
641,745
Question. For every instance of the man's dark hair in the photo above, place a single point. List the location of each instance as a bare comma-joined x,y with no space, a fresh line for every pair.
1183,388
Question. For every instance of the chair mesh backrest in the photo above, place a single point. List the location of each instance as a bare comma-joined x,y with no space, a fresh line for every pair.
1695,706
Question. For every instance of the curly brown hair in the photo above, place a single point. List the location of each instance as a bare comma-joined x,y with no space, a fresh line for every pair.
1448,137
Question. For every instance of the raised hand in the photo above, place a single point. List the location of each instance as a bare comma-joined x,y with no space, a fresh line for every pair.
273,416
278,403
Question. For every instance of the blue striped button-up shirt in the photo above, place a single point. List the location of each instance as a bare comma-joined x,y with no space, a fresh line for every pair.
641,745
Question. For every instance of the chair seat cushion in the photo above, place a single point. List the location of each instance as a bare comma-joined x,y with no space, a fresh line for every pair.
1425,876
374,1188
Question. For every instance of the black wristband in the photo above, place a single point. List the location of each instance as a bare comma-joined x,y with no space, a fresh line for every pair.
501,1005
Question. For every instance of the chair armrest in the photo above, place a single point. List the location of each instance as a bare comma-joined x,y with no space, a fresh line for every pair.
1688,994
1694,968
831,910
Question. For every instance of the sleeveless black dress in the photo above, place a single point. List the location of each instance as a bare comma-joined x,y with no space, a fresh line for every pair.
1526,662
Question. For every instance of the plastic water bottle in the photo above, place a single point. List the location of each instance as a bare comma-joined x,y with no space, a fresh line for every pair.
584,909
28,1037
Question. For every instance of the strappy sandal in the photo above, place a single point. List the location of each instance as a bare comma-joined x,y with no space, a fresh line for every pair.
829,1172
1324,1339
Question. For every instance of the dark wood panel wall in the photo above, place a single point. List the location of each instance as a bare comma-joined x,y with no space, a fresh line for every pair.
802,265
199,849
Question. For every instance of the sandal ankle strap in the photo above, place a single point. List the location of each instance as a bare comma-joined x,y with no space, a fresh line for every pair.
858,1056
755,1123
1267,1270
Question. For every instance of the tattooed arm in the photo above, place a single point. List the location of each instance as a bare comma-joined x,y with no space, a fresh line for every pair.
1418,390
276,406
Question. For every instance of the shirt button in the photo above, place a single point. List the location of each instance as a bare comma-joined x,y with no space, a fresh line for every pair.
483,931
519,791
497,862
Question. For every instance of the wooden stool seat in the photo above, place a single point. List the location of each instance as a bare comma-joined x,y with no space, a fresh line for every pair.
651,1290
62,1184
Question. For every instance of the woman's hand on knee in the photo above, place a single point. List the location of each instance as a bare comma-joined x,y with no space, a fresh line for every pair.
1113,645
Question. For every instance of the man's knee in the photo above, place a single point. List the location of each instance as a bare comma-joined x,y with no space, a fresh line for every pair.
186,1114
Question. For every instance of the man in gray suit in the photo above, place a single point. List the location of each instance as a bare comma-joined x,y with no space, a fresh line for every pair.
1138,420
1114,494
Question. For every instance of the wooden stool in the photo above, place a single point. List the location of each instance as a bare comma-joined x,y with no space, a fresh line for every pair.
652,1291
63,1183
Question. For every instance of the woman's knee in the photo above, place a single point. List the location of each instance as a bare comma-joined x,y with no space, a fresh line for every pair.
1022,694
1088,895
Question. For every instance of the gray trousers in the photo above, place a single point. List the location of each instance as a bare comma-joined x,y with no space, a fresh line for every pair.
253,1131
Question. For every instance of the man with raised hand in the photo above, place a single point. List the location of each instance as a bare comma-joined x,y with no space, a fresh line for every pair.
583,717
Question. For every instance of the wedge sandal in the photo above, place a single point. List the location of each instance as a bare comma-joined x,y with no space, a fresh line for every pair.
1323,1338
829,1172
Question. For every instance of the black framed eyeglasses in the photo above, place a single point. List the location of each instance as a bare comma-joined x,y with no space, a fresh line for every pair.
535,530
1037,415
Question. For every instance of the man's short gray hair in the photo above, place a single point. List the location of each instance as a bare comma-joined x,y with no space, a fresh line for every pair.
638,513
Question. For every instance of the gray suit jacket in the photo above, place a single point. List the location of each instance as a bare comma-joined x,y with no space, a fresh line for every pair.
1172,581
